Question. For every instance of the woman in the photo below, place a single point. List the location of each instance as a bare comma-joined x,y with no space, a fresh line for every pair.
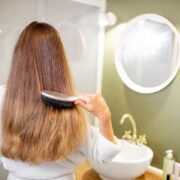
38,140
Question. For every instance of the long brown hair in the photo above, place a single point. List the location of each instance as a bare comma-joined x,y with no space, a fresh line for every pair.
33,131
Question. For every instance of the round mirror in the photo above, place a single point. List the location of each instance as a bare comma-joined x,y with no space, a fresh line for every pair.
148,53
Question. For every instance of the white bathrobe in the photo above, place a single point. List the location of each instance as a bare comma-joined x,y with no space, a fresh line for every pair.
97,148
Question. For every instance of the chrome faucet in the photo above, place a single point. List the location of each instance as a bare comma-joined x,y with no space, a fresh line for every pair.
132,138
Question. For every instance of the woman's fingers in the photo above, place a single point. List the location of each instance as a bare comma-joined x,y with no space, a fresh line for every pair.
85,105
94,103
86,101
84,97
80,102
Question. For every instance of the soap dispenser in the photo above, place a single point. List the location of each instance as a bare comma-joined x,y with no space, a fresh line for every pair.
168,165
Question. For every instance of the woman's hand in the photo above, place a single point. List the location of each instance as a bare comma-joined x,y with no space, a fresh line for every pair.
95,104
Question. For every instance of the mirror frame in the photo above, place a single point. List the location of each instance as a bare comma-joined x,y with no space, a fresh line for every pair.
119,67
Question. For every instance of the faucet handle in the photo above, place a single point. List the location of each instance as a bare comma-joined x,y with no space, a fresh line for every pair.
142,139
127,135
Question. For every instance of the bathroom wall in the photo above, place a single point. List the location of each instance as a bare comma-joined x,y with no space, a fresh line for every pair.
157,115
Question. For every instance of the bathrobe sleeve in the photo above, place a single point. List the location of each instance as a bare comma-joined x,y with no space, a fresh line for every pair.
98,147
2,92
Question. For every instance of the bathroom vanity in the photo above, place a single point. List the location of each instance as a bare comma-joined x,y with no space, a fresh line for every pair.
85,172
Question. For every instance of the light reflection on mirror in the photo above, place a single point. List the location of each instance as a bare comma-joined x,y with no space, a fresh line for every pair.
147,53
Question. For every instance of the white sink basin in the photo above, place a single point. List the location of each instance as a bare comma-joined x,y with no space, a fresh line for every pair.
131,162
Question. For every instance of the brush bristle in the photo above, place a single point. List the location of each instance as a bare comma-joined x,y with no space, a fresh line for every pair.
57,103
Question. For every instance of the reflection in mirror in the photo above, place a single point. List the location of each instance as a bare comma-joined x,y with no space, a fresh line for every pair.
147,53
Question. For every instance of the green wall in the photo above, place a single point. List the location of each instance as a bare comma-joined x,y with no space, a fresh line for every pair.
157,115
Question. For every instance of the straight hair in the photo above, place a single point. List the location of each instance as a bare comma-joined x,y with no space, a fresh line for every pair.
31,130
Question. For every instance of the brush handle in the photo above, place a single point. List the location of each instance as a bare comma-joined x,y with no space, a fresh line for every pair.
60,96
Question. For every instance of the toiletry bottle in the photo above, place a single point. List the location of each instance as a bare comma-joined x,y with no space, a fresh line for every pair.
168,165
176,171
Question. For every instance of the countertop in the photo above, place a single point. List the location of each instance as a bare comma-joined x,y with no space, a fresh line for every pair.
85,172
